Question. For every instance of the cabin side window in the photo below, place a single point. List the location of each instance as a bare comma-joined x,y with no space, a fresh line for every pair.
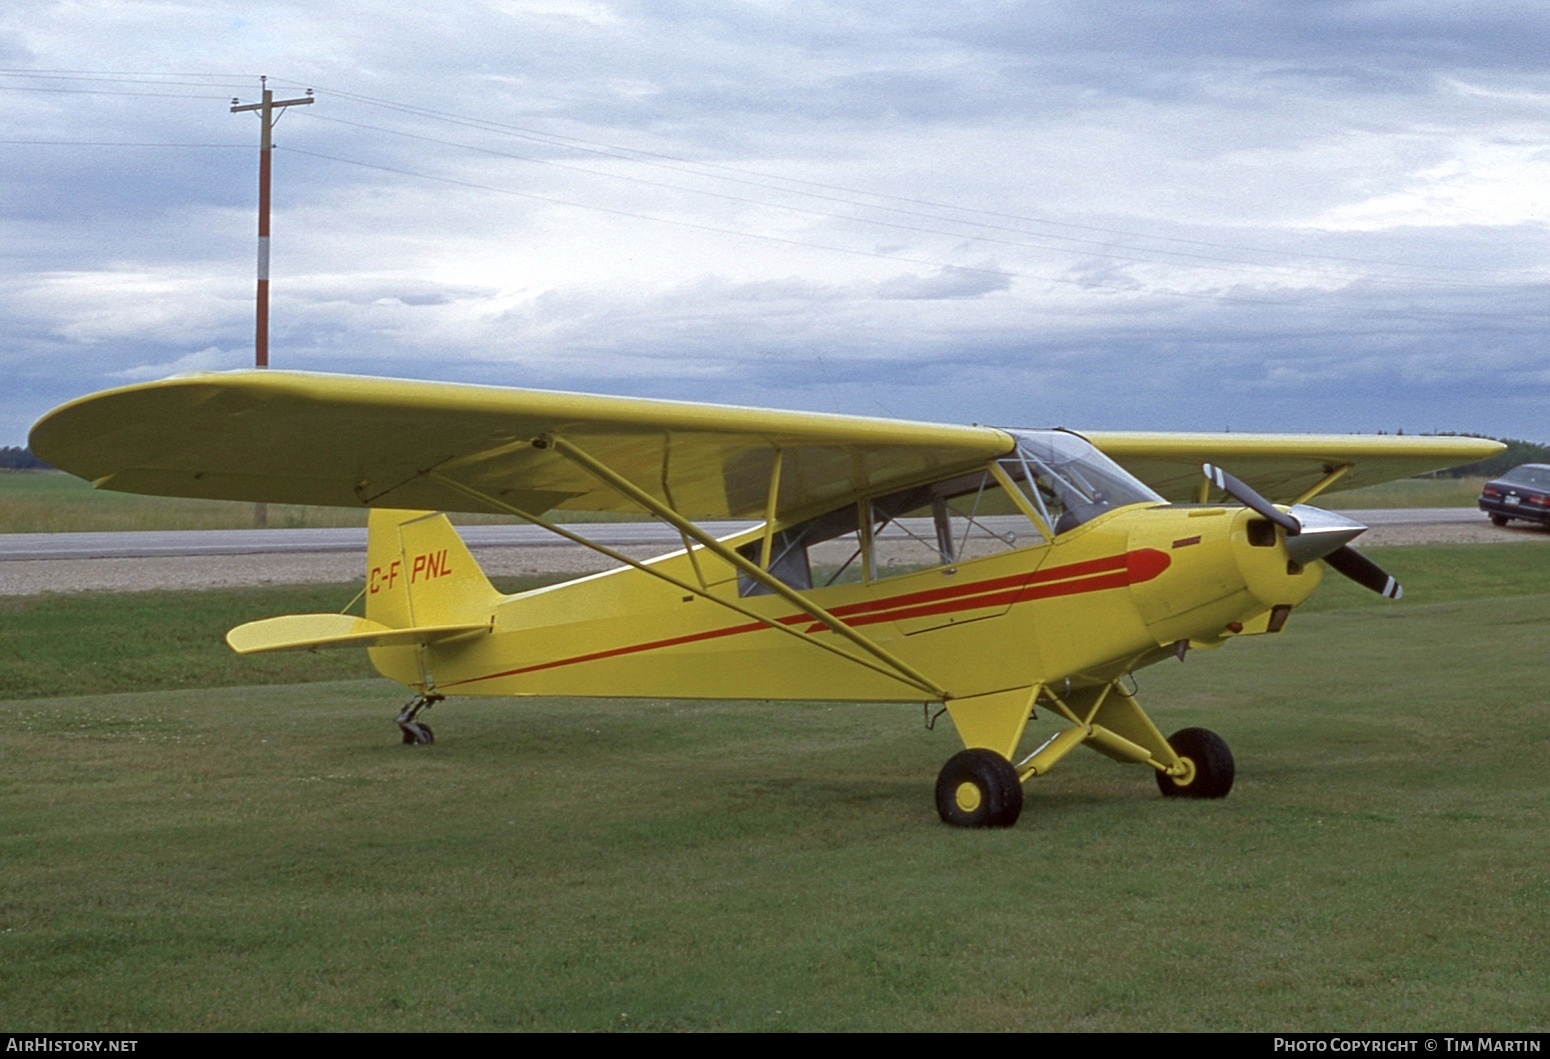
962,518
792,559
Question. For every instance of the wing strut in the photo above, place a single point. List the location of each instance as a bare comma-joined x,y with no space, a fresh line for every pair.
684,586
770,509
628,489
1331,476
667,491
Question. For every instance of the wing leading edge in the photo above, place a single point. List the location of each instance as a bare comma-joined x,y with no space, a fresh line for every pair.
347,441
350,441
1282,467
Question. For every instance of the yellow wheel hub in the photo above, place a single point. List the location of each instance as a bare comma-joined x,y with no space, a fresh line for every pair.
968,797
1186,773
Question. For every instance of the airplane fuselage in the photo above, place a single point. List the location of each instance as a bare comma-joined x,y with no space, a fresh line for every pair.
1098,601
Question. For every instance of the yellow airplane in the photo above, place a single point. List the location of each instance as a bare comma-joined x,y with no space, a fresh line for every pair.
994,572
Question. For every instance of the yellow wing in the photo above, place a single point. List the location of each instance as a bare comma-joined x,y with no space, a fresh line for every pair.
343,441
1281,467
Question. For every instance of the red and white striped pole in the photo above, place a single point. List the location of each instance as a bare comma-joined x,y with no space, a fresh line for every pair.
265,153
267,111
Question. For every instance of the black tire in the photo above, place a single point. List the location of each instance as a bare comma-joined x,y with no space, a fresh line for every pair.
1213,769
978,788
1498,520
418,733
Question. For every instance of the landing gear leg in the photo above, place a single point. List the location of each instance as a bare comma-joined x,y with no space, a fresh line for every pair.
1194,763
417,733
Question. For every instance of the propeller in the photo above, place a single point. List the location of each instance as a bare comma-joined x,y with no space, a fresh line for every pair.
1364,571
1240,491
1313,533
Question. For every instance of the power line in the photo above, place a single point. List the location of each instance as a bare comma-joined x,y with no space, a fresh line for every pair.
104,92
1103,250
878,255
834,194
114,143
646,157
245,79
825,192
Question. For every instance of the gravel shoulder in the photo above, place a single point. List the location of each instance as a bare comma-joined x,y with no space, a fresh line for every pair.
35,577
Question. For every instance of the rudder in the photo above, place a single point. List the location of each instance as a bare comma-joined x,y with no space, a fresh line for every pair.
420,573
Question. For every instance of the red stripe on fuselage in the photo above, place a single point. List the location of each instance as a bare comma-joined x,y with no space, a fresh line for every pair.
1094,575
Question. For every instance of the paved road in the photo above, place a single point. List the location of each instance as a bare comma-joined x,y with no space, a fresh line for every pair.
152,543
149,543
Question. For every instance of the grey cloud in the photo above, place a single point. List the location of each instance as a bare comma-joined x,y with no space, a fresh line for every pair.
1499,35
796,346
13,50
122,186
946,282
212,358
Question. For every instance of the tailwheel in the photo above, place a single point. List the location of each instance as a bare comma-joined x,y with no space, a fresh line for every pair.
978,788
416,732
1208,768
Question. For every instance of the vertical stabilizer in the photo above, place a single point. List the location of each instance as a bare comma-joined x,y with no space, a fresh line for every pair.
420,573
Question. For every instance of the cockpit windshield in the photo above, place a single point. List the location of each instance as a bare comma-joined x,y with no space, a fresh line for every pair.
1075,483
1064,481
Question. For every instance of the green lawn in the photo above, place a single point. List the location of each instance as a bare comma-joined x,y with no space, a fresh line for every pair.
1407,492
52,502
95,642
270,857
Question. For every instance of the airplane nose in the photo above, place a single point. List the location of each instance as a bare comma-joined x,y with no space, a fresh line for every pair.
1323,532
1311,533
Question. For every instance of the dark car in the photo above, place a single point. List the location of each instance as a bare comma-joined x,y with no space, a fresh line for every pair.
1523,492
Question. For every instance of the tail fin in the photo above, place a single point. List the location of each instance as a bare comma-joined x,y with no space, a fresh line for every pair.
420,573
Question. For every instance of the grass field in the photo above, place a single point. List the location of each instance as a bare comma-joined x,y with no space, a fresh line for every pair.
269,857
1407,492
97,642
50,502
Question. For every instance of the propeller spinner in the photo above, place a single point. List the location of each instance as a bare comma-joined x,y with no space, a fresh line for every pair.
1313,533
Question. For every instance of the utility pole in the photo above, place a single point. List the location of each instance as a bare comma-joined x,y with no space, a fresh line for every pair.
268,111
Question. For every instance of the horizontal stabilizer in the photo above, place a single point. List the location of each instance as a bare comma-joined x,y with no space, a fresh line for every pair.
294,631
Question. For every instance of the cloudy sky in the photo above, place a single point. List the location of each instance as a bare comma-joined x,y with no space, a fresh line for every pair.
1241,215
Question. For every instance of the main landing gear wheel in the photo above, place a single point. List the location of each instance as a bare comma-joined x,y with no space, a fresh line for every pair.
978,788
1208,771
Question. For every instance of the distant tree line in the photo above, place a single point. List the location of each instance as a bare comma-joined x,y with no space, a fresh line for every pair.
15,459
